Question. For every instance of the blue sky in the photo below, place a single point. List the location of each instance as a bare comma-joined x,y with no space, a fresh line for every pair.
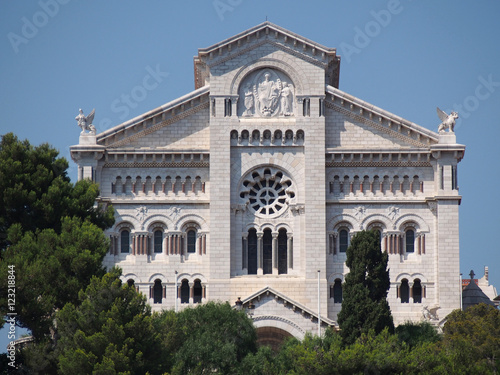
405,56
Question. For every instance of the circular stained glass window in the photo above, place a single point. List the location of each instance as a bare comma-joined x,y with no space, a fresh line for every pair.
267,193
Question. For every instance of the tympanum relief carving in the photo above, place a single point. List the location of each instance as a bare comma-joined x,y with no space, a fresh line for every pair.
266,93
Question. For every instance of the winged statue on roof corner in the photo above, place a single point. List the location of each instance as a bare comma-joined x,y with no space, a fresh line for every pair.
448,121
85,122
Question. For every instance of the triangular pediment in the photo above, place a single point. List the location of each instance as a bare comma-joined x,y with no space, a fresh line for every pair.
268,303
366,126
267,33
178,122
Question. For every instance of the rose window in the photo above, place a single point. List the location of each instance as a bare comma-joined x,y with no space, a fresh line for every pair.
267,193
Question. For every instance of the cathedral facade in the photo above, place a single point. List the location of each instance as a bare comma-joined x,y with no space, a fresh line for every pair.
250,188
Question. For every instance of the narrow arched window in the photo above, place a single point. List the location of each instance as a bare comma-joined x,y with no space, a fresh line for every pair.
197,291
267,252
417,291
410,241
130,282
125,241
252,252
404,291
158,239
185,291
337,291
343,240
191,241
282,252
157,291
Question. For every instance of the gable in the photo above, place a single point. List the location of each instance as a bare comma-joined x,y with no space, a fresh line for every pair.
260,37
354,124
182,123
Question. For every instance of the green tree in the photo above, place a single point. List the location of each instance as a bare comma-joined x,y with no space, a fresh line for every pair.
414,334
215,338
50,232
50,269
472,339
37,193
110,331
365,306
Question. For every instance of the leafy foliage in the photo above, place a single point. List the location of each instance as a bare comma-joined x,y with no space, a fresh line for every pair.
50,232
51,268
215,338
414,334
365,305
472,337
110,331
37,193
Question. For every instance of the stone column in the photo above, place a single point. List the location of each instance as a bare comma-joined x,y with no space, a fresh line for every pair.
244,253
289,250
191,292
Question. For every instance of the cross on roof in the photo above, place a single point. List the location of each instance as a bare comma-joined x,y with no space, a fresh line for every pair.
471,275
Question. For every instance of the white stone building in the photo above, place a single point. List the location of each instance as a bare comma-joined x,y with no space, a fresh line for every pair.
254,182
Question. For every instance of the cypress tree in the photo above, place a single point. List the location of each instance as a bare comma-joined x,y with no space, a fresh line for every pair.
365,305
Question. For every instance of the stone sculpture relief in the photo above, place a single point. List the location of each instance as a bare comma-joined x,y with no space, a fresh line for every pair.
267,93
85,122
448,121
429,314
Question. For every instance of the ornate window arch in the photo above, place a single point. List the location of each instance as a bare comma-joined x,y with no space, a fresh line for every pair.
190,233
410,230
267,191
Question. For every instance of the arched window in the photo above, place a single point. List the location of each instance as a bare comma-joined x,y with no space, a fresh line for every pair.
185,291
282,252
157,240
191,241
125,241
417,291
267,252
130,282
343,240
337,291
252,252
404,291
410,241
197,291
157,291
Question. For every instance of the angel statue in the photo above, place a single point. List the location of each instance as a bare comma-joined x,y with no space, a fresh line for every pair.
448,121
85,122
